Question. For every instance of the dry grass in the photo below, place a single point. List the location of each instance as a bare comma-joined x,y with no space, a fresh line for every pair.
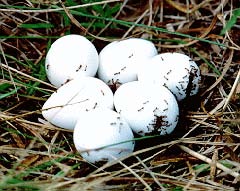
202,153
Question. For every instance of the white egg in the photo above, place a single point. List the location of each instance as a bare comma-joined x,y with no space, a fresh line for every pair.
102,135
119,60
176,71
149,109
81,94
70,56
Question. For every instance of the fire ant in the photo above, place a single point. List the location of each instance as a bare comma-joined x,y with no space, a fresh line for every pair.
114,84
159,124
192,75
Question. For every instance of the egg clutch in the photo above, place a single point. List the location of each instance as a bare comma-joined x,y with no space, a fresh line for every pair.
107,98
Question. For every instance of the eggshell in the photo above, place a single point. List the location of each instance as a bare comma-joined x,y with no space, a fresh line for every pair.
70,56
119,60
99,135
81,94
148,108
175,71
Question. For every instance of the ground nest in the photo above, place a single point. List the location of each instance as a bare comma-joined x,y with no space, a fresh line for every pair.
203,153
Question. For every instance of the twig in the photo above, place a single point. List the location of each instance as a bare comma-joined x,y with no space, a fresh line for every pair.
209,161
225,69
232,91
151,173
26,75
8,69
204,119
115,17
75,22
57,9
208,30
184,10
137,21
136,175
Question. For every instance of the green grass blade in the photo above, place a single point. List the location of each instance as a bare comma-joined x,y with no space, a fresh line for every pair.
129,24
7,94
29,37
232,21
36,25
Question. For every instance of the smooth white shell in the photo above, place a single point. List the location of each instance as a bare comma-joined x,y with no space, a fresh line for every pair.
148,108
81,94
102,128
119,60
70,56
176,71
